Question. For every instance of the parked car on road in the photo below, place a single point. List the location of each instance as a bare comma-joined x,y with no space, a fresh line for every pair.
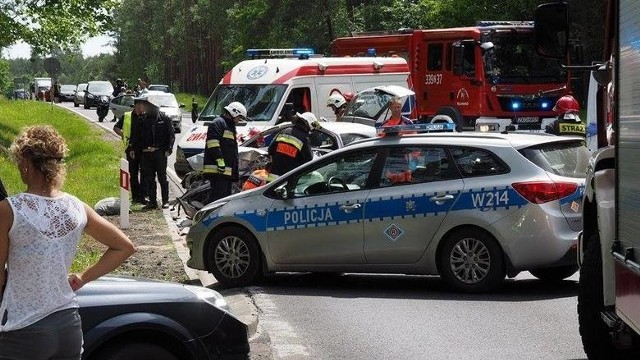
471,207
330,136
67,92
134,318
94,90
78,98
159,87
167,103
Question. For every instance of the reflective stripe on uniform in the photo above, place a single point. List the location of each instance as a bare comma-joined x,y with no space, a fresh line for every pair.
213,143
289,139
228,135
126,128
213,169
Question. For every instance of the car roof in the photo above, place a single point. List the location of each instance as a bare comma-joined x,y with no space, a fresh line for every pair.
348,127
471,138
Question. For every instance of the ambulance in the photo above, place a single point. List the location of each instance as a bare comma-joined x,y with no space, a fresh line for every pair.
277,83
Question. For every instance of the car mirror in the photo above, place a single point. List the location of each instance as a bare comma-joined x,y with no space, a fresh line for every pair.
182,105
282,192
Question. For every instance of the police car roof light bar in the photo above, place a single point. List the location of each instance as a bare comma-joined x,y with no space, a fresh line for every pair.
417,128
301,53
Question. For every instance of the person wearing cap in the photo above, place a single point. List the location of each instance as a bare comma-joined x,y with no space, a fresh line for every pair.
221,151
152,138
291,148
123,128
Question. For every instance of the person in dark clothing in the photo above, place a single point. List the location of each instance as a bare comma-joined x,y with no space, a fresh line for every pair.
291,148
152,138
221,151
123,128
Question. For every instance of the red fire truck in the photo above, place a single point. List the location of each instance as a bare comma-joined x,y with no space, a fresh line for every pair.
609,248
486,74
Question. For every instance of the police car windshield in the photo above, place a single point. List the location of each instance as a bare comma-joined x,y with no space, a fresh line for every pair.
261,101
513,60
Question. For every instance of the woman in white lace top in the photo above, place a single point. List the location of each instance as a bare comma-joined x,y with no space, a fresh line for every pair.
39,233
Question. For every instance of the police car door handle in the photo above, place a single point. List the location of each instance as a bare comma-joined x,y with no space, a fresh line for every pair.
349,207
440,199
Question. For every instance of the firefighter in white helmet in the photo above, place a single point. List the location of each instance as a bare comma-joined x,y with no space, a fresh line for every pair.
338,104
291,147
221,151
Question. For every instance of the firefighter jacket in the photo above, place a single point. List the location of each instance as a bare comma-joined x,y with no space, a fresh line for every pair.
567,127
221,149
150,132
290,149
257,178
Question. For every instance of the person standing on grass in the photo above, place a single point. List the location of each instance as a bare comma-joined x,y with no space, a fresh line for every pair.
39,234
123,128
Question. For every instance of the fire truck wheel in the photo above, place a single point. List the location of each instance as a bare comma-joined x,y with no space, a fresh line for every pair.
596,339
555,273
452,112
470,260
234,257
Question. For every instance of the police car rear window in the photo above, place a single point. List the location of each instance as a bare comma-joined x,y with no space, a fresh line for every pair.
568,159
478,162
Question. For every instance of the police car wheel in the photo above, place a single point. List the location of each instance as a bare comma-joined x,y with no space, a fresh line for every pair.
471,261
233,257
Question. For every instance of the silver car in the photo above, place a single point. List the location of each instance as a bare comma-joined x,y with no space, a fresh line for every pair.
166,102
78,97
470,207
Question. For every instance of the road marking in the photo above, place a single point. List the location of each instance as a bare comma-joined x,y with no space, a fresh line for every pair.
285,342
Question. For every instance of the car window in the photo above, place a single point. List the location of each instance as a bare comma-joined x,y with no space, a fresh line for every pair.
349,138
347,172
478,162
414,165
117,100
82,87
561,158
100,87
322,140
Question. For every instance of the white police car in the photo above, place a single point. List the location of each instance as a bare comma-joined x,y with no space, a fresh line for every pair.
471,207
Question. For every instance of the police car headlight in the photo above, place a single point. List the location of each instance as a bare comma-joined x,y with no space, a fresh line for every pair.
206,211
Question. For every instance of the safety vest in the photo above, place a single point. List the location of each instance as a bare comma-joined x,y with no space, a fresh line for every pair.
572,128
126,128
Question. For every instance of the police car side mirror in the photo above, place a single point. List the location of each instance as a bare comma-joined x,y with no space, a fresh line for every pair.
282,192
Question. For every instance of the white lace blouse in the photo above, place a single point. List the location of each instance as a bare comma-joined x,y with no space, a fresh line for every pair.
43,241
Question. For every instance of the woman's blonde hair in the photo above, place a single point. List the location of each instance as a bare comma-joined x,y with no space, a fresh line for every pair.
45,148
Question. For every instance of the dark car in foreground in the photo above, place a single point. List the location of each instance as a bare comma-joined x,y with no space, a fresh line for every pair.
134,318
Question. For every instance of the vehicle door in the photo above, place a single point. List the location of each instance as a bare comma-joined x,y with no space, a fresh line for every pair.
121,104
415,190
320,220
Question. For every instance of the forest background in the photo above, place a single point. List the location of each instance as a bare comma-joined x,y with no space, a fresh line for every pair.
190,44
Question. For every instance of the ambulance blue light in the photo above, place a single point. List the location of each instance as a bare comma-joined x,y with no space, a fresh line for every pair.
516,105
371,52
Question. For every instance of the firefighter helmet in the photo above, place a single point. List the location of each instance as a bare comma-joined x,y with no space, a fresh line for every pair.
566,104
336,100
236,109
308,119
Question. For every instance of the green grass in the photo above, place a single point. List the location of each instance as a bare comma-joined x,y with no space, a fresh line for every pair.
93,164
187,99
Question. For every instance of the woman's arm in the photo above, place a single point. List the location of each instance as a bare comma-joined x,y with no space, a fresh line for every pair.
119,248
6,220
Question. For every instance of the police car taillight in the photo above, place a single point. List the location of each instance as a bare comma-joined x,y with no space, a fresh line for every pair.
416,129
544,191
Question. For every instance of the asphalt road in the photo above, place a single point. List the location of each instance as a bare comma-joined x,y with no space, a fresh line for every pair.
308,316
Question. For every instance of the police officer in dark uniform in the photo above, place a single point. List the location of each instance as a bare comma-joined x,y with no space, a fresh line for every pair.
152,137
123,128
220,164
568,122
291,148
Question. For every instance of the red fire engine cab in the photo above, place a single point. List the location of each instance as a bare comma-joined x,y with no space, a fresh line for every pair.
485,76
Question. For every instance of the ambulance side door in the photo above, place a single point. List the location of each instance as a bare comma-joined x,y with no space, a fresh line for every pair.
414,193
320,220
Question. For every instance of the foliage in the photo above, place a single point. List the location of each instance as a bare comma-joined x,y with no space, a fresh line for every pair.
48,24
6,83
93,164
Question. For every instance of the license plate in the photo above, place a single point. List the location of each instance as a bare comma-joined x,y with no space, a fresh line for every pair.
527,120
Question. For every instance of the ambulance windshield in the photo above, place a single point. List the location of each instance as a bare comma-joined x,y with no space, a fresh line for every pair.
261,101
513,60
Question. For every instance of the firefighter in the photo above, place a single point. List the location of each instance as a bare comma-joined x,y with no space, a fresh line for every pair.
221,151
291,148
568,122
338,104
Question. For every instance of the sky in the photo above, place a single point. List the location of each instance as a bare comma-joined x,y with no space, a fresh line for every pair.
92,47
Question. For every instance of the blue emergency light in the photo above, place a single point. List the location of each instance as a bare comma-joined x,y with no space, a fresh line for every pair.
516,105
416,129
371,52
544,105
301,53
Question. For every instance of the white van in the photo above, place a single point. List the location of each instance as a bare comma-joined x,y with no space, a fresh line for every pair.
265,85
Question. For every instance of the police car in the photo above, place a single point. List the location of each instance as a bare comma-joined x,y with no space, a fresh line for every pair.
471,207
